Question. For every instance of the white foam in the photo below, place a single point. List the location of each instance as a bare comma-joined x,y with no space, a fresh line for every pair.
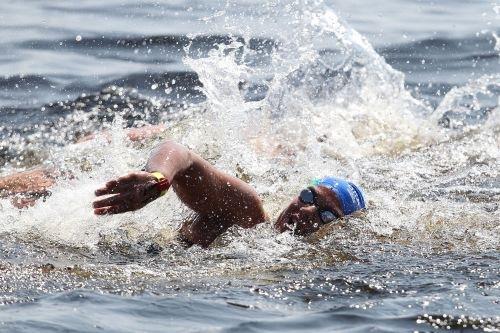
369,129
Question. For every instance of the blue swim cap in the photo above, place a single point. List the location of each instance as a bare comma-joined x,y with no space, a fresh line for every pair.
351,197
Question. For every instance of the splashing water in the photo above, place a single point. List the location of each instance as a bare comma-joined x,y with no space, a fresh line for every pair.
346,111
329,105
336,110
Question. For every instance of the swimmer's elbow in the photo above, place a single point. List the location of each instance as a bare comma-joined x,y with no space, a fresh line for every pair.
169,157
169,146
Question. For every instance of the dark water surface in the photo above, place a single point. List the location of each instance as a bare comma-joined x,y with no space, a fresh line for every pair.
386,291
424,258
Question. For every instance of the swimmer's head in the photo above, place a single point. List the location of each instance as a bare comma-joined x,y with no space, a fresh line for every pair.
351,197
326,200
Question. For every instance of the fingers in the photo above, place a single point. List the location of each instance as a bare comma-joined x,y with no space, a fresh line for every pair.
109,188
117,204
119,185
131,192
116,209
114,186
111,201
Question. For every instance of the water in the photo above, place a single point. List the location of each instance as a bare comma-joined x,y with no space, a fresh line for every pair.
400,97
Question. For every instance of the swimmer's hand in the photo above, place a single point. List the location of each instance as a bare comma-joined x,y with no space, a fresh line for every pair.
131,192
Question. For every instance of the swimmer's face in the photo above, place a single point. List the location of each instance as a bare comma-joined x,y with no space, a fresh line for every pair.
304,218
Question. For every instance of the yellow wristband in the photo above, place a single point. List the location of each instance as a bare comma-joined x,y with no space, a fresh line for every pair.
158,175
161,179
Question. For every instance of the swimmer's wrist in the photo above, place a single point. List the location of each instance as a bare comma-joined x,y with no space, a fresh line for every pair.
162,183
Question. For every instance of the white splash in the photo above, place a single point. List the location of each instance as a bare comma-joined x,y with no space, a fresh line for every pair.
333,106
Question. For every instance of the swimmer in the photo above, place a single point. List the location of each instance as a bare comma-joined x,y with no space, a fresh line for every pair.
218,199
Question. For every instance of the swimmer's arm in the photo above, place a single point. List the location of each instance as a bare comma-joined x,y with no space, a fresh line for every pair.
133,134
219,199
37,180
24,188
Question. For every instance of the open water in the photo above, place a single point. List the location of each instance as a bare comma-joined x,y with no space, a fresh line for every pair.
400,96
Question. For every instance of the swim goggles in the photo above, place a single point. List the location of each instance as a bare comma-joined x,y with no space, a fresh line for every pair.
308,196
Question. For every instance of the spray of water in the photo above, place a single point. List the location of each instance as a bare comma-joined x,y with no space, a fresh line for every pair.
332,106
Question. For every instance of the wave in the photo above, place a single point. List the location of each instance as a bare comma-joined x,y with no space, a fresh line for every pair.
432,52
185,82
29,81
198,42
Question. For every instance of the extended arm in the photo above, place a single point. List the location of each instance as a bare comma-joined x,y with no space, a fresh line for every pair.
219,199
24,188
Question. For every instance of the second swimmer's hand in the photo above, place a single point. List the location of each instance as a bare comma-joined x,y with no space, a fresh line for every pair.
130,192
